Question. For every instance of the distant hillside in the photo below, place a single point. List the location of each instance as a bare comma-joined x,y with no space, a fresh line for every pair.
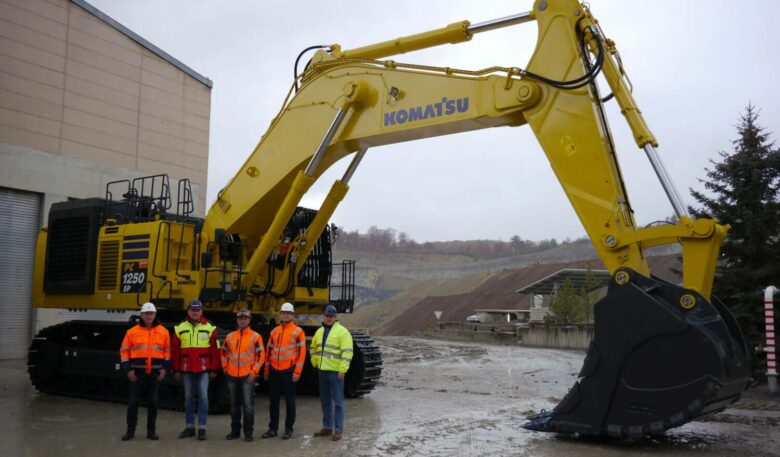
400,284
394,270
391,241
377,316
498,292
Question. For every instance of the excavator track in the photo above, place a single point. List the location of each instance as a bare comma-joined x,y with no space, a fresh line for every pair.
80,359
366,368
364,371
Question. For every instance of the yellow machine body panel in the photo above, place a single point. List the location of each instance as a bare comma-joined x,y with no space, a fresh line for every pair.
135,263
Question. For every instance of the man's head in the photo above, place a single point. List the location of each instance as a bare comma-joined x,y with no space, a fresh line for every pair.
243,317
195,310
148,313
286,312
329,315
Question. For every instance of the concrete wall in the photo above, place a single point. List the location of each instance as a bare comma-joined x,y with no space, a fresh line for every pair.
72,85
568,337
564,337
83,104
476,336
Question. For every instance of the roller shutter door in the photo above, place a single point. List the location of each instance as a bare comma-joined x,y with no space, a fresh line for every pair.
20,219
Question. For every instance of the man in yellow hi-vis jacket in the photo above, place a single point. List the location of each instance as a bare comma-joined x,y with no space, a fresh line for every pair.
331,353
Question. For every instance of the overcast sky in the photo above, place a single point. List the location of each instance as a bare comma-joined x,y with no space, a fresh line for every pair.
694,66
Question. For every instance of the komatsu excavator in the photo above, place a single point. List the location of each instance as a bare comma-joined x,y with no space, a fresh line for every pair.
663,353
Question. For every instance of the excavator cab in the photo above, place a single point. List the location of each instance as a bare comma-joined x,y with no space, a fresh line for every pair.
658,360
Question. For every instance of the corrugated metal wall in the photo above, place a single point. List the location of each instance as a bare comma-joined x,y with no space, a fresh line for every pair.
20,220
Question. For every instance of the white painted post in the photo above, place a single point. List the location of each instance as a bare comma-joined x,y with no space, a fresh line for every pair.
771,352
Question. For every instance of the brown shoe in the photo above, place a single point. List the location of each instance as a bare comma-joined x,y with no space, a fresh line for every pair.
323,432
336,436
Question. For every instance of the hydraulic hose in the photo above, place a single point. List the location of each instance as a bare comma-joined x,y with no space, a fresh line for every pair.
298,60
581,81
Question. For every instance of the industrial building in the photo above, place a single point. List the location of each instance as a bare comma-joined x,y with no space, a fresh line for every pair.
84,101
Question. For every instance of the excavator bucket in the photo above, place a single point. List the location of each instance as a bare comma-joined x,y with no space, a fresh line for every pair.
657,361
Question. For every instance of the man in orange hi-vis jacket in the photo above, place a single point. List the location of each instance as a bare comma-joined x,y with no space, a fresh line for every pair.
145,357
283,367
242,359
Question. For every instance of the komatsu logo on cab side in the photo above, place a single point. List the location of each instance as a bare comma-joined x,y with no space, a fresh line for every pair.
445,107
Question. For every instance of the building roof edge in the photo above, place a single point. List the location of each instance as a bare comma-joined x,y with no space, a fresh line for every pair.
143,42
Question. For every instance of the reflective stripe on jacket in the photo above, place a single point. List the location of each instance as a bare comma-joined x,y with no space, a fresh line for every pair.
194,348
335,353
242,353
286,348
145,348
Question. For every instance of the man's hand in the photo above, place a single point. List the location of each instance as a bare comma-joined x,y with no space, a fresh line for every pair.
265,377
212,374
296,377
131,376
341,376
250,378
177,375
161,376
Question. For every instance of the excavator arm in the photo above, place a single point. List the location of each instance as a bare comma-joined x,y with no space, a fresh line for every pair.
662,353
350,102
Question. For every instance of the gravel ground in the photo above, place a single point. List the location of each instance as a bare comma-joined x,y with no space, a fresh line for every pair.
435,398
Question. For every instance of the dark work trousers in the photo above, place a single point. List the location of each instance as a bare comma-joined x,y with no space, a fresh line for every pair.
280,382
146,383
242,402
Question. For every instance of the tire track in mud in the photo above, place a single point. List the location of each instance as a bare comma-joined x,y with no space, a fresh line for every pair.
467,434
447,398
478,395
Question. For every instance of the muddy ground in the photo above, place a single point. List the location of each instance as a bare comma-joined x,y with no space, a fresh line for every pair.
436,398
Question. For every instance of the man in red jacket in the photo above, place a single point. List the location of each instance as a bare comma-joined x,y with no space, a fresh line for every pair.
195,358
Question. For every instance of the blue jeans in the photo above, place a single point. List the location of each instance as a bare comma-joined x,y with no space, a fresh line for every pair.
242,399
193,382
332,400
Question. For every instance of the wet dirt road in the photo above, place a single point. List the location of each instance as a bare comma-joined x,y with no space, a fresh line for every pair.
436,398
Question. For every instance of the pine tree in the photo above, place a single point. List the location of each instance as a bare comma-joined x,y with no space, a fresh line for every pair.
744,191
567,306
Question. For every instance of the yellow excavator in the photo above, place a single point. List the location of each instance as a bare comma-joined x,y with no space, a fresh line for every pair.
662,355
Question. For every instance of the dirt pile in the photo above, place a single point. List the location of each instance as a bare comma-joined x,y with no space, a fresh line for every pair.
498,292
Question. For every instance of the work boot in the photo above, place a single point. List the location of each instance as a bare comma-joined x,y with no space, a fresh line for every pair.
323,432
269,434
336,436
152,435
129,434
187,433
233,435
202,434
287,435
248,438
